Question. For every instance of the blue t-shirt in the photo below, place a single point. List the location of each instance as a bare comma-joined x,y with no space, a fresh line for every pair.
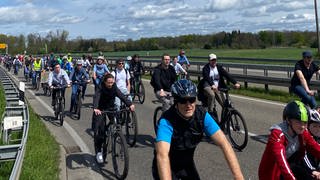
165,129
100,69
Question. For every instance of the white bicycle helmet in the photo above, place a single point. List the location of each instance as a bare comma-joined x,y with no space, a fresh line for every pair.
314,116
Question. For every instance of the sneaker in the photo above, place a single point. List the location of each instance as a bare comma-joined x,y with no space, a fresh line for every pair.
99,157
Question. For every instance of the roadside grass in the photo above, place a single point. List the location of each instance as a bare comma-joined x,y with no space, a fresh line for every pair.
41,160
42,157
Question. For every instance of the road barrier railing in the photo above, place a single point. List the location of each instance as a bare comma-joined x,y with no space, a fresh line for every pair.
14,125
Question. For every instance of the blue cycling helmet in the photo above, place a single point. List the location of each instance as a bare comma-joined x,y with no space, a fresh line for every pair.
184,89
296,110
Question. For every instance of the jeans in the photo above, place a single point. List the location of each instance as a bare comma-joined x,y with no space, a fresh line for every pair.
165,100
305,97
74,93
34,76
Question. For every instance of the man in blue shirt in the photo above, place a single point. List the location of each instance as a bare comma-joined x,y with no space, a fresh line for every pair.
78,77
180,130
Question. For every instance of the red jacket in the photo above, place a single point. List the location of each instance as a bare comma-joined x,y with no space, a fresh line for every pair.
274,163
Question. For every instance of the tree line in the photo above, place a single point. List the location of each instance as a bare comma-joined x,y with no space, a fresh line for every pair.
58,42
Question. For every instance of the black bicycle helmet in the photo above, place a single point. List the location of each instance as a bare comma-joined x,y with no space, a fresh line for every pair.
184,89
296,110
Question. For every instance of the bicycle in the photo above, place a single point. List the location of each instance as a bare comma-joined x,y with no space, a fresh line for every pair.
137,89
59,104
36,84
158,112
78,101
232,122
26,73
115,144
129,120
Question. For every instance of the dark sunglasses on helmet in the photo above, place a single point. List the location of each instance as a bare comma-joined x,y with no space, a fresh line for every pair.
185,100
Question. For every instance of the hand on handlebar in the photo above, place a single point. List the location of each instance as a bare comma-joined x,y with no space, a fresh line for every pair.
97,112
237,86
162,93
214,88
311,92
131,107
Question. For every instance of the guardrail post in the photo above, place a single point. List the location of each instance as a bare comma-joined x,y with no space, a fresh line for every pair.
245,72
266,86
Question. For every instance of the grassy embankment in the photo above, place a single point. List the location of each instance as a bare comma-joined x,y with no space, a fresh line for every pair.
41,160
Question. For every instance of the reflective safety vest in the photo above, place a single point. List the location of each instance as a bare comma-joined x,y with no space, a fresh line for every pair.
69,58
37,66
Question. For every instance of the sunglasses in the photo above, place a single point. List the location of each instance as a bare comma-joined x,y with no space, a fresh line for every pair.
120,63
185,100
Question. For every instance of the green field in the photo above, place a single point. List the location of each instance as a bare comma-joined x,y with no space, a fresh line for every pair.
275,53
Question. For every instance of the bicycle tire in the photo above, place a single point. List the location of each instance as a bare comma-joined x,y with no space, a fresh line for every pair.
131,128
56,109
156,117
79,104
61,114
142,94
120,155
45,90
237,130
38,84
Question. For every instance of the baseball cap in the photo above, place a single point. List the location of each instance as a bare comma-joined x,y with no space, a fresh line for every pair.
212,56
307,54
100,57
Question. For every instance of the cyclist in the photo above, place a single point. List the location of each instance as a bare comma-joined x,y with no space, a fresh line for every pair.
36,69
69,58
122,79
213,77
163,77
99,70
66,65
16,64
136,70
57,77
78,75
86,63
287,144
183,60
180,130
104,99
178,68
303,72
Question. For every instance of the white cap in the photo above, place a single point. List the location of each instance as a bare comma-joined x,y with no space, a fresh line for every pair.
212,56
100,57
129,58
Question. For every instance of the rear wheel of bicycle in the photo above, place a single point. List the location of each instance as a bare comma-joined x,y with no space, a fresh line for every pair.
156,116
237,130
131,128
78,107
61,114
45,90
141,93
120,155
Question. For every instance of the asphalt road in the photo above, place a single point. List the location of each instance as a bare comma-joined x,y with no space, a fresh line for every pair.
77,140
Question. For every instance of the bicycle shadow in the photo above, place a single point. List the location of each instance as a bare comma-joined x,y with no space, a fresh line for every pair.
80,160
261,138
144,140
51,119
87,105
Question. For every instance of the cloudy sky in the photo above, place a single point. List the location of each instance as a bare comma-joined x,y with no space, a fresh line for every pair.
124,19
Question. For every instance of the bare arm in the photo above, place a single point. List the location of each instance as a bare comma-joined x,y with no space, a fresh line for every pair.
220,139
163,161
303,81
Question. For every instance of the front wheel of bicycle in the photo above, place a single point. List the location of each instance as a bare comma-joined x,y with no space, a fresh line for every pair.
237,130
61,114
78,107
120,156
131,128
156,116
142,94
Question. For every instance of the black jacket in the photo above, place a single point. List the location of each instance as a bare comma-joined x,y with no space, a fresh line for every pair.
163,78
104,98
222,73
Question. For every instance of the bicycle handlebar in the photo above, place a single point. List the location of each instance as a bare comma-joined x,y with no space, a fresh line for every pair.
59,87
114,111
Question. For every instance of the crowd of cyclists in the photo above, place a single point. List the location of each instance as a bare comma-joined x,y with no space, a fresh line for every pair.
292,151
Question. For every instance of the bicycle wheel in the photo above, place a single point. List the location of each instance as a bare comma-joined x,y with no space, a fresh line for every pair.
45,90
38,84
61,114
237,130
56,109
156,116
120,155
78,107
141,95
131,128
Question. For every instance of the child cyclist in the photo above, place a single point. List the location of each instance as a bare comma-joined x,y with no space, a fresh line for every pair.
287,144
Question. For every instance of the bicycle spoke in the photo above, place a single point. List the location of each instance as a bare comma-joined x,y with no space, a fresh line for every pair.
237,130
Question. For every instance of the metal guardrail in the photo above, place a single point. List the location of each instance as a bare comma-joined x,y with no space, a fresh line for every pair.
264,79
15,121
